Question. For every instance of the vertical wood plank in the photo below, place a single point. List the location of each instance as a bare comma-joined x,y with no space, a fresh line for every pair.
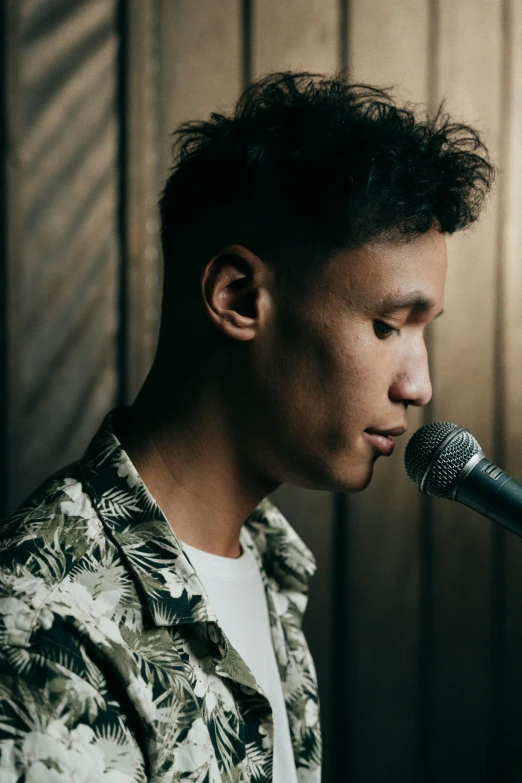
388,45
469,57
63,137
512,339
512,228
303,35
201,65
144,169
295,35
3,263
12,246
383,520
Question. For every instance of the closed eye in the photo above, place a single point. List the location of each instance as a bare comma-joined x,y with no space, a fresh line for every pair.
383,330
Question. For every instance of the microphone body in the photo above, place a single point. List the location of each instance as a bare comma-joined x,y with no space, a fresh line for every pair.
490,491
445,461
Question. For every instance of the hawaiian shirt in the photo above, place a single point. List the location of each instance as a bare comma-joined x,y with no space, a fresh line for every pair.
113,665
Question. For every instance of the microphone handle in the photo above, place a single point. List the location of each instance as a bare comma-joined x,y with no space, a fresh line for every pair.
493,493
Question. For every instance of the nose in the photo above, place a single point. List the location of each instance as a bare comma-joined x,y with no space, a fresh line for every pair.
412,383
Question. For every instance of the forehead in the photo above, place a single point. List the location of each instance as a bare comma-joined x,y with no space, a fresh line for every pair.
390,271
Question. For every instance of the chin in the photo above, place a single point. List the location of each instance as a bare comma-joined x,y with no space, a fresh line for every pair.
355,485
354,480
346,474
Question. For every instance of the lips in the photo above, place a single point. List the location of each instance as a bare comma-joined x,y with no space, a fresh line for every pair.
393,433
382,440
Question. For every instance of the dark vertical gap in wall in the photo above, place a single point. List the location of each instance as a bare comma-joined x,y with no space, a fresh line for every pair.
425,541
246,40
122,11
338,744
343,35
425,667
498,535
3,267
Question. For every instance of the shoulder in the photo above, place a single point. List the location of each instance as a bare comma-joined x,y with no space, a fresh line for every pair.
40,543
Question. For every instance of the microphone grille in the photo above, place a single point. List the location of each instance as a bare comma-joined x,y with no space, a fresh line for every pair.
447,465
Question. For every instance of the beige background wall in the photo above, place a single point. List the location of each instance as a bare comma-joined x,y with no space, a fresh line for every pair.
415,611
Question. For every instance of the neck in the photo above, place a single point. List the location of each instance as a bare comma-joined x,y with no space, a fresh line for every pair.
190,462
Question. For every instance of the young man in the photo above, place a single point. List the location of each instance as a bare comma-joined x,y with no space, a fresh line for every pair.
151,595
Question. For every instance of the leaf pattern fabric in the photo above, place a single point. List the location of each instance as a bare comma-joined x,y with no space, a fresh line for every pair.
113,666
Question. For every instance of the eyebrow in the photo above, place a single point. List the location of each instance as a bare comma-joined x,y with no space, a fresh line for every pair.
410,301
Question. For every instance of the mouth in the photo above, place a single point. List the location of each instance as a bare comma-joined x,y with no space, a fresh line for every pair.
383,440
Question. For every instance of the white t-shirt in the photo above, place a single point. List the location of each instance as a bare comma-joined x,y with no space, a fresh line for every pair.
236,592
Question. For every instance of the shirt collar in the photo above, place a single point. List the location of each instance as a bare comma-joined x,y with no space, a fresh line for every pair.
136,523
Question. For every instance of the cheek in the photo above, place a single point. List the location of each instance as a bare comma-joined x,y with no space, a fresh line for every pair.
364,373
327,373
332,370
356,359
340,384
304,352
302,375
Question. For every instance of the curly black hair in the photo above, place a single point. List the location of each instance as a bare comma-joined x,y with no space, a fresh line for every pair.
308,165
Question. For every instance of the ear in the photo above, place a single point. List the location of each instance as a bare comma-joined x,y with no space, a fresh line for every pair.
235,289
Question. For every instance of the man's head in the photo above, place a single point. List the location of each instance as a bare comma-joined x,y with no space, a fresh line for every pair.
304,240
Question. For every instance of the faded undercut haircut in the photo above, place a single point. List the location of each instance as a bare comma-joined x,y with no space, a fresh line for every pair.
306,166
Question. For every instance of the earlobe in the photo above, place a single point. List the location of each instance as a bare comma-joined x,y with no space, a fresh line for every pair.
230,289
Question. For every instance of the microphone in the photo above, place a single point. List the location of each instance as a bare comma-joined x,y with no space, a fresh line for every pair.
445,461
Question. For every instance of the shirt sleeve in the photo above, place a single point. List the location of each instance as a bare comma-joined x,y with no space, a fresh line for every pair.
58,725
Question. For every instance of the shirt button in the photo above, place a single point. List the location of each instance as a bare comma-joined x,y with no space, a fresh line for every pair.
217,642
213,633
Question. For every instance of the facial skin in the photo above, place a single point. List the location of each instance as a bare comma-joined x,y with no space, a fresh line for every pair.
347,356
265,386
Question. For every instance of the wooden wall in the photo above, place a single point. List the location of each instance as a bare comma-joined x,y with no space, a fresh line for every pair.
61,254
415,610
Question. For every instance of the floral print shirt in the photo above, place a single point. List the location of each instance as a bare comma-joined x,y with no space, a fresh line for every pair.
113,666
